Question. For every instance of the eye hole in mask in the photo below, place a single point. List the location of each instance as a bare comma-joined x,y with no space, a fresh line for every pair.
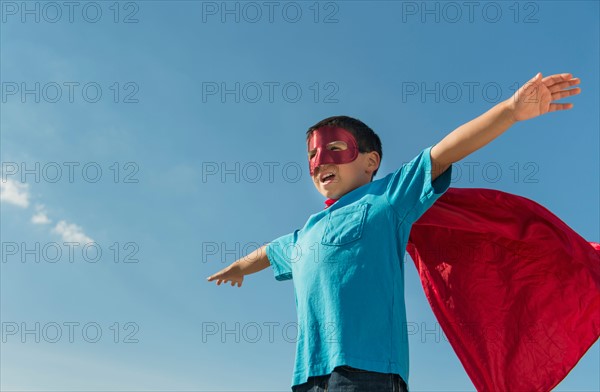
333,146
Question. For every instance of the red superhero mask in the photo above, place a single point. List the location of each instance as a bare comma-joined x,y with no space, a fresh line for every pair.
323,136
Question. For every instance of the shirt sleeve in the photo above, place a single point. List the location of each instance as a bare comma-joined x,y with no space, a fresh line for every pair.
281,253
410,191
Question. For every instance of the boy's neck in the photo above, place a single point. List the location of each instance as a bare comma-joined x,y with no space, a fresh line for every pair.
330,201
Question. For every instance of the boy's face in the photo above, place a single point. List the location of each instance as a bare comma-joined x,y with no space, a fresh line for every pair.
336,166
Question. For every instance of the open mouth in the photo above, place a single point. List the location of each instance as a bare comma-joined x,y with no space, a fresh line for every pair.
326,178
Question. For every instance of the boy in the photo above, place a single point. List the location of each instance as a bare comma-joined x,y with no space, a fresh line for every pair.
346,262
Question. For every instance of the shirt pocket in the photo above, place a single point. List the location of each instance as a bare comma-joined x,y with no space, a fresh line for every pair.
345,225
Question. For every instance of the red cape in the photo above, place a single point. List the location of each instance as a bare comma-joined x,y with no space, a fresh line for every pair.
515,290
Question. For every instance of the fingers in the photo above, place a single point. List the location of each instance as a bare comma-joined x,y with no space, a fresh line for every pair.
555,82
556,78
564,85
560,82
559,106
559,91
213,277
223,280
218,275
566,93
232,282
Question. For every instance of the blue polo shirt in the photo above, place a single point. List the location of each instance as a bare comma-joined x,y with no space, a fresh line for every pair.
348,273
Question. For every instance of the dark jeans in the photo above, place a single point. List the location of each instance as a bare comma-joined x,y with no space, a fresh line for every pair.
348,379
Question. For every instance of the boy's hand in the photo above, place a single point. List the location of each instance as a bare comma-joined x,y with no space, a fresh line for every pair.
534,97
249,264
231,274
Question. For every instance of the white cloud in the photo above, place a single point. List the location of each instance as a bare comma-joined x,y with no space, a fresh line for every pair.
41,218
70,232
14,192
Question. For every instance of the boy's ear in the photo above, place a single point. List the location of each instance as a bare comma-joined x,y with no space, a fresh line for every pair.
373,160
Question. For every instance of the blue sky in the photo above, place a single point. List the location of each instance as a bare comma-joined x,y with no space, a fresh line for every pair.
172,135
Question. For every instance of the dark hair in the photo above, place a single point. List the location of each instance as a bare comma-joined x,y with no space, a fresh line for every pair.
366,139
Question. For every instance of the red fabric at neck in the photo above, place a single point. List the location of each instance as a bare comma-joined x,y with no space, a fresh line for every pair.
329,202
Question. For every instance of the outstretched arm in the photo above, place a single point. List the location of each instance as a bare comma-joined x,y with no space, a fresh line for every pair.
249,264
533,99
